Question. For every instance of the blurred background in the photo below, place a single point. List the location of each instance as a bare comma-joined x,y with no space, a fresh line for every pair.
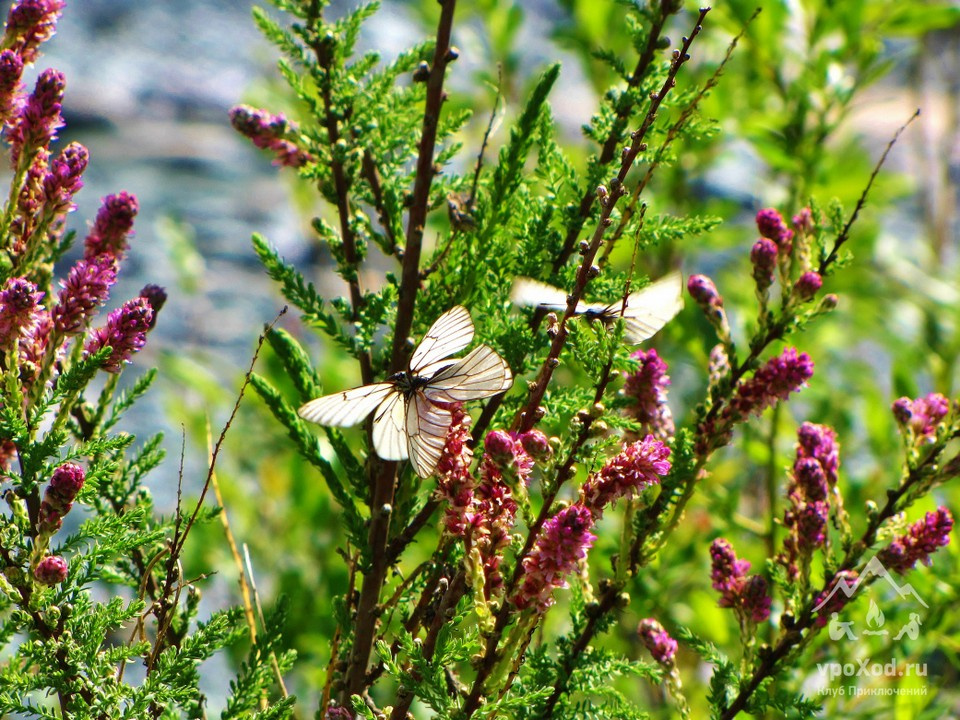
148,89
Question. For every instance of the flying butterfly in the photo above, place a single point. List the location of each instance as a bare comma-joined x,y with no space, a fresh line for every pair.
408,422
648,309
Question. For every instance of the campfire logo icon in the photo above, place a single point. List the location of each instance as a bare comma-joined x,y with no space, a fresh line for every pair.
875,618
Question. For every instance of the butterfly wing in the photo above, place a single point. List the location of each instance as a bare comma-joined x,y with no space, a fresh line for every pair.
450,334
346,408
479,374
389,428
427,427
533,293
651,308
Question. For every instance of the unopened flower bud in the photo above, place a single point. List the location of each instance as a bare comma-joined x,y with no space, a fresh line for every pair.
52,570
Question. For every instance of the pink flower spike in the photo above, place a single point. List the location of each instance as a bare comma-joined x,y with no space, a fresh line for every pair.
647,387
125,333
20,311
638,466
655,639
269,132
775,380
922,539
113,227
36,126
29,24
763,256
562,543
86,288
11,70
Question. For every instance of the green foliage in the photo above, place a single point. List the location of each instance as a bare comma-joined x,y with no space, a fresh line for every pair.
532,205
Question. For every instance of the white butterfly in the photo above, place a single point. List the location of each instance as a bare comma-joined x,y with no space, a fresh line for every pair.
647,310
407,421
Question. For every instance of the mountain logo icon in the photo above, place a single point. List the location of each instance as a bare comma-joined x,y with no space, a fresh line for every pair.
874,568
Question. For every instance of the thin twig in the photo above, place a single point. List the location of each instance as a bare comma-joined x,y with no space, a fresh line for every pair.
263,622
486,137
862,200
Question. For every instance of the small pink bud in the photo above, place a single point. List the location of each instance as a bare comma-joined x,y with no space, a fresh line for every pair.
52,570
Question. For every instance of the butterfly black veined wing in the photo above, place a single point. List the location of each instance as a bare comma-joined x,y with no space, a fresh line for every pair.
652,307
426,433
346,408
389,427
480,374
407,422
448,335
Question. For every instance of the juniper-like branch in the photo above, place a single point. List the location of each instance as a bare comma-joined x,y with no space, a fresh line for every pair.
623,112
326,58
527,417
672,134
410,274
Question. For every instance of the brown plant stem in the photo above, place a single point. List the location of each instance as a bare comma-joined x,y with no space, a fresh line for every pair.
368,610
449,600
410,273
384,473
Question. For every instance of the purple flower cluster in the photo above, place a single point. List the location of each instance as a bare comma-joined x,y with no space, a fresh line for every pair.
920,541
20,311
112,228
454,482
269,132
11,70
921,417
491,517
562,543
39,119
704,292
647,388
814,474
807,285
125,333
65,484
771,225
507,453
763,257
748,595
655,639
86,288
29,24
706,295
833,596
63,179
638,466
774,380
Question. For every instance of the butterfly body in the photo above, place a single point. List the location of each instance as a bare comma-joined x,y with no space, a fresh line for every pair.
409,417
